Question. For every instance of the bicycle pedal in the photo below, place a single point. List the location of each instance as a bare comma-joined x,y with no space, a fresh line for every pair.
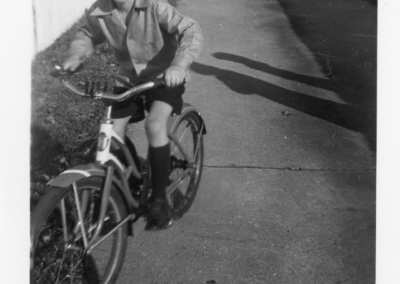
155,227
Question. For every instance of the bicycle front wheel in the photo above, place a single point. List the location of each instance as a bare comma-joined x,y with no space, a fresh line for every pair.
58,254
187,134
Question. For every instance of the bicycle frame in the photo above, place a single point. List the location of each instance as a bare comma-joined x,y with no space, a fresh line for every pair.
90,203
113,171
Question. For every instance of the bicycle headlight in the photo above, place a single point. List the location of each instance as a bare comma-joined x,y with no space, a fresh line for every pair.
102,142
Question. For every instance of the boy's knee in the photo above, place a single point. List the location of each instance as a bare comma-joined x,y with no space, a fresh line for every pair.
154,126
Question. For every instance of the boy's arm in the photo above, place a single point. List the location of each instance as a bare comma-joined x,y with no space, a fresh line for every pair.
83,43
189,32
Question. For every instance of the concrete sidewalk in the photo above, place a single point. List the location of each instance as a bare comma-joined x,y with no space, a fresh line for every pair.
288,188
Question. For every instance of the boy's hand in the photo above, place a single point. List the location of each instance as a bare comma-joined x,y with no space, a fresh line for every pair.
72,63
174,76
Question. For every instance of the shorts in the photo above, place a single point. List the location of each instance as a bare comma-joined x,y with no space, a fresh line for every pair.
136,107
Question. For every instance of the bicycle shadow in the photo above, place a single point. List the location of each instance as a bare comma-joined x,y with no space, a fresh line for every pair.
351,117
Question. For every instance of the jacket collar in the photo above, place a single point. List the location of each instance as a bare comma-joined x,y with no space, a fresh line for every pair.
106,7
141,4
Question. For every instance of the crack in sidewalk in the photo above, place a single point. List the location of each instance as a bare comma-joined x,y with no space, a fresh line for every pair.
233,166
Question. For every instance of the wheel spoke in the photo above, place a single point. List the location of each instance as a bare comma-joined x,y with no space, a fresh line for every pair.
187,155
180,138
59,254
79,209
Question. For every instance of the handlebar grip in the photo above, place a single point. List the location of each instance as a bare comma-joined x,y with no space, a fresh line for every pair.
159,82
59,71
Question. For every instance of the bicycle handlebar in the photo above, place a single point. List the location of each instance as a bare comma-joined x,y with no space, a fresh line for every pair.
58,71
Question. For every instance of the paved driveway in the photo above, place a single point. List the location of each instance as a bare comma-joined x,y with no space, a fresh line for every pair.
288,188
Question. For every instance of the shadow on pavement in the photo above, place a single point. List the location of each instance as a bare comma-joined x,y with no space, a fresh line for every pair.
348,116
342,36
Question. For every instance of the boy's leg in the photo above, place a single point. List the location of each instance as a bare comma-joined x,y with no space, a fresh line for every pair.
123,113
159,156
120,125
159,150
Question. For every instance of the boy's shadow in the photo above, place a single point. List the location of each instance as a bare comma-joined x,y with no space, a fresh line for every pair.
352,117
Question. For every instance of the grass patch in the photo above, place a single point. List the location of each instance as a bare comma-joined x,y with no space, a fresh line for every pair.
63,123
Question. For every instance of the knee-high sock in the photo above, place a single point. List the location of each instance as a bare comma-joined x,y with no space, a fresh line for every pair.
160,164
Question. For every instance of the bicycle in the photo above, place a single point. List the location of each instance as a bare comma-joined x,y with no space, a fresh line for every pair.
80,227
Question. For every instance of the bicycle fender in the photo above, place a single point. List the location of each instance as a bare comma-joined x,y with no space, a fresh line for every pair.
185,109
68,177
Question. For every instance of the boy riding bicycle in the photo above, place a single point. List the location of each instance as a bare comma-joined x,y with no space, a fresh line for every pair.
151,39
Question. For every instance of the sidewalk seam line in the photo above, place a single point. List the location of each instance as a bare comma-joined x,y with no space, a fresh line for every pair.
288,169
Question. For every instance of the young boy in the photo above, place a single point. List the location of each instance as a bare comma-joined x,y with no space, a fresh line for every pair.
150,39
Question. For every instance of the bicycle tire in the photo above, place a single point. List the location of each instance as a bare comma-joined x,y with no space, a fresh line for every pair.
182,198
55,261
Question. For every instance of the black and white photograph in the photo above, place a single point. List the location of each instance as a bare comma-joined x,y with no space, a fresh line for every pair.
201,142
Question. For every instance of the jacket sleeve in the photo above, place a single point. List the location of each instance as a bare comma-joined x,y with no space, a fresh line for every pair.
89,35
190,37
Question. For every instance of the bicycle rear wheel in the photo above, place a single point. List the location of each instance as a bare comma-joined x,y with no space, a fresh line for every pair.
187,133
57,252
